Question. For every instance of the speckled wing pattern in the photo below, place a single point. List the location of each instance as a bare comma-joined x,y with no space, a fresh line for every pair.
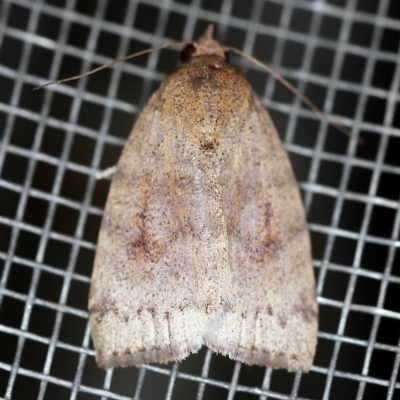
204,238
272,315
161,269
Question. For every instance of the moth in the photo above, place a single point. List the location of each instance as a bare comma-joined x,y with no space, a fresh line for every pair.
204,239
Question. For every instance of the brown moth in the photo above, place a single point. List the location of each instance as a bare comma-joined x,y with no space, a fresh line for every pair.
204,239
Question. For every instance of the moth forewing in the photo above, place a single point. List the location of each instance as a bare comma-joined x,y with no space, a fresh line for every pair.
272,319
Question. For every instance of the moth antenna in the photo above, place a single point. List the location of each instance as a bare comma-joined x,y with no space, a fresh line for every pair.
139,53
305,99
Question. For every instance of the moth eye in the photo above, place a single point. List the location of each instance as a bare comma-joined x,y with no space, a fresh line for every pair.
188,52
227,57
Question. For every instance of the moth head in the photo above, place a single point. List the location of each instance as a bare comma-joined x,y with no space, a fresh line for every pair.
206,45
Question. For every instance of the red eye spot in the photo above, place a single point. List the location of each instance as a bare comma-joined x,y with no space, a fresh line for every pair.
188,52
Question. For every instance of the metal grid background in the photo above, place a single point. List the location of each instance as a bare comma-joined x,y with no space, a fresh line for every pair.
342,53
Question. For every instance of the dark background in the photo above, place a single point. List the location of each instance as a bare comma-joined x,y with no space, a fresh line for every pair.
342,54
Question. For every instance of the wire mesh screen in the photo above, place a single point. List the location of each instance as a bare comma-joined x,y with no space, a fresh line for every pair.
343,54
